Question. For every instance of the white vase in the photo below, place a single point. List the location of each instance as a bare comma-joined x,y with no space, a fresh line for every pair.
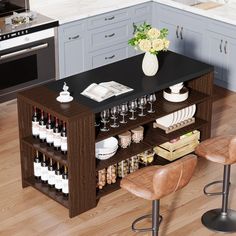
150,64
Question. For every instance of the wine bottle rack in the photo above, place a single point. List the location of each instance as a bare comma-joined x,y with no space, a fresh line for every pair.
82,135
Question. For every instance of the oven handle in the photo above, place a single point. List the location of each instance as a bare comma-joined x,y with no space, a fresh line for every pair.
24,51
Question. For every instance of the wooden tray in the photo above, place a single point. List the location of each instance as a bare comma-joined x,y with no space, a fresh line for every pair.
172,151
207,5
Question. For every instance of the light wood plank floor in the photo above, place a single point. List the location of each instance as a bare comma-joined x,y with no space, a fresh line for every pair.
28,212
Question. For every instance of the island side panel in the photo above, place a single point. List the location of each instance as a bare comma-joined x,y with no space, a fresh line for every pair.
81,164
26,153
204,84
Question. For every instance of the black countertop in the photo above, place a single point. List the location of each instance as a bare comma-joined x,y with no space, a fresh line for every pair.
173,69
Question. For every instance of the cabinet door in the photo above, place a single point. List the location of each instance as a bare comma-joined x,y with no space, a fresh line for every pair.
216,55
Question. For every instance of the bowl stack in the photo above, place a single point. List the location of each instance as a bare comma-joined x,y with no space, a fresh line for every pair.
106,148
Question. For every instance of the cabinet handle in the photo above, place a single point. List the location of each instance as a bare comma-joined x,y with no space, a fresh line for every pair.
221,41
109,35
110,18
181,33
75,37
177,32
225,47
106,58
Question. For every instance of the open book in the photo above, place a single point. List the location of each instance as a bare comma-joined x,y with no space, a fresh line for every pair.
105,90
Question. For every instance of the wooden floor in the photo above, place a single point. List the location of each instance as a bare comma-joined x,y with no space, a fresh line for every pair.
28,212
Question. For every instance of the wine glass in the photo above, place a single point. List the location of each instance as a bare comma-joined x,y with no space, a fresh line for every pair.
151,99
123,112
104,119
142,103
132,108
114,116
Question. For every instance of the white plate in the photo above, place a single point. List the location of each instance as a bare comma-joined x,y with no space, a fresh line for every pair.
193,110
183,114
175,114
166,121
64,99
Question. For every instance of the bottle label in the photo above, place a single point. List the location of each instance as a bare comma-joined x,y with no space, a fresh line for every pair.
65,186
64,143
49,135
35,127
42,131
57,139
51,177
58,181
37,169
44,173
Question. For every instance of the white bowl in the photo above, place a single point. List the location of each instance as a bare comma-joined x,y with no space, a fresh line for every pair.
106,148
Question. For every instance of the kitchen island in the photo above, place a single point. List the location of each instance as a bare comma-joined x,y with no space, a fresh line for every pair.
79,116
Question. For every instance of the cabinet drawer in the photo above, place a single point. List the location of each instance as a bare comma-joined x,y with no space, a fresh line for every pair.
142,10
72,32
108,18
103,57
108,35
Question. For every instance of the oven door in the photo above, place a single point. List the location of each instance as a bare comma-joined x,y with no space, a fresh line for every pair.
26,65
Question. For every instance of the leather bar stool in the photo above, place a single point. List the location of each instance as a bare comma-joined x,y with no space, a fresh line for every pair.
222,150
155,182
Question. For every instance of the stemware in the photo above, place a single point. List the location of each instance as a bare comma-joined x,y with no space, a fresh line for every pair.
123,112
142,103
151,99
114,116
132,108
104,119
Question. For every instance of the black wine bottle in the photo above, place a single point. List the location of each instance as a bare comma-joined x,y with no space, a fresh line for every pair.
49,131
42,128
65,183
35,123
37,166
58,178
56,136
64,139
44,170
51,174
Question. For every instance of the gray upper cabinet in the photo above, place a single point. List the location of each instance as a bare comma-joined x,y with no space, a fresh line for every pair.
186,30
71,44
222,53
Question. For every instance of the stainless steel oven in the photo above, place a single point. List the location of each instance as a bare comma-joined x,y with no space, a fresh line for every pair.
26,61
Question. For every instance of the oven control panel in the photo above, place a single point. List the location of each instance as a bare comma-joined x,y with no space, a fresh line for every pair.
14,34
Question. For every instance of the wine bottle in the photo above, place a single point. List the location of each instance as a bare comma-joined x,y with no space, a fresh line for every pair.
51,174
64,139
65,183
35,123
58,178
44,170
42,128
56,136
37,166
49,131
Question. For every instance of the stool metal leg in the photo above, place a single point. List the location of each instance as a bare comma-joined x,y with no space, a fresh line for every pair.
223,219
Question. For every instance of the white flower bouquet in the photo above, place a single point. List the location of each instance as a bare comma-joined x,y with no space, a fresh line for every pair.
149,39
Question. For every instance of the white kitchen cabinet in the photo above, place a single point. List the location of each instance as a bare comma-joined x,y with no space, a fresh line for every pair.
186,30
71,44
222,54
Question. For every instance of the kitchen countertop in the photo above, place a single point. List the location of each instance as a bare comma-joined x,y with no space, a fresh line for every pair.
70,10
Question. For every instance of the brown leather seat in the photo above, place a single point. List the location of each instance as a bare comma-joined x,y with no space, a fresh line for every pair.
155,182
221,149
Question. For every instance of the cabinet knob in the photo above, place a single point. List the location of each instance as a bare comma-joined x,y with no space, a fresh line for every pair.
110,18
74,37
225,47
221,41
106,58
177,32
109,35
181,33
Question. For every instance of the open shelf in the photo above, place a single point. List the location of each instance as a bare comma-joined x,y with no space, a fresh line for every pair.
50,192
44,149
162,107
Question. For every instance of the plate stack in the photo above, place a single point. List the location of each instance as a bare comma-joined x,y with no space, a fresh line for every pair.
106,148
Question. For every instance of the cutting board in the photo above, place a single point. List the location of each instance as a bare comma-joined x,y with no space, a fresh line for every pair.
207,5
